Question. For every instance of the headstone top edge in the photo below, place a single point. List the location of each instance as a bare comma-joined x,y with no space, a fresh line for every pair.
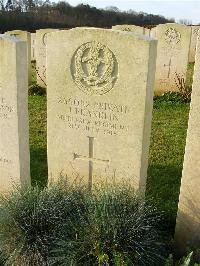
11,38
46,29
140,36
127,25
93,29
174,25
20,31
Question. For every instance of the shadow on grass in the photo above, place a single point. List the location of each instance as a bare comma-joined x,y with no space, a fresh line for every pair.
163,185
39,169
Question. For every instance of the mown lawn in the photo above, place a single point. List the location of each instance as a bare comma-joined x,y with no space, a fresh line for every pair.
168,136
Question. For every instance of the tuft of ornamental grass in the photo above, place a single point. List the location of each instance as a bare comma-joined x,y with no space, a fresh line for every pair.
64,225
121,229
31,220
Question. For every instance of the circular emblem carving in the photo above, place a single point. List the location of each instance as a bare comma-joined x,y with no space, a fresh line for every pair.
172,36
94,68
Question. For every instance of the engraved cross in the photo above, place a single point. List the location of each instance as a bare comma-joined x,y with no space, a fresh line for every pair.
169,69
91,159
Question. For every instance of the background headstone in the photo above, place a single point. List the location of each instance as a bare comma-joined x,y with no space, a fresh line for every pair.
33,40
132,28
172,55
25,36
40,53
14,144
188,217
100,94
195,34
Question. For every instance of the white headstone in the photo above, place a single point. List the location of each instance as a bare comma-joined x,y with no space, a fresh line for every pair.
195,35
25,36
100,95
188,218
40,53
14,144
172,55
33,40
132,28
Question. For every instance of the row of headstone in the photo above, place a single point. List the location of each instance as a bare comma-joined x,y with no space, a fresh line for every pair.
175,49
36,48
99,108
172,53
195,33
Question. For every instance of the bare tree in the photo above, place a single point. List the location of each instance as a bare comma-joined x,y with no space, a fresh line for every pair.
185,21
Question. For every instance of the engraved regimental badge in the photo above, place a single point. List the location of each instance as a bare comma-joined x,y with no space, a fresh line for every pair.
172,36
94,68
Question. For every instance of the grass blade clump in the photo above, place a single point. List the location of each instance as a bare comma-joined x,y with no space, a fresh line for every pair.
64,225
120,230
31,220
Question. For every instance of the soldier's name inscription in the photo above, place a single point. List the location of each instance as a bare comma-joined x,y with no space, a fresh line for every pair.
98,117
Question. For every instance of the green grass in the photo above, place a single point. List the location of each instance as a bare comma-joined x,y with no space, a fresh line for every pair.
189,78
38,139
169,127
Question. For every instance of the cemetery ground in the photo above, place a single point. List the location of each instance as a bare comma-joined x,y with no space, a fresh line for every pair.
168,136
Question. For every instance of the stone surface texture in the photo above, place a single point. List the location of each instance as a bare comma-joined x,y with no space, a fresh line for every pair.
14,144
195,35
40,53
188,218
33,40
100,94
132,28
25,36
172,55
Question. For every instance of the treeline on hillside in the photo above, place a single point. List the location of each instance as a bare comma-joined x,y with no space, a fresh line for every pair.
35,14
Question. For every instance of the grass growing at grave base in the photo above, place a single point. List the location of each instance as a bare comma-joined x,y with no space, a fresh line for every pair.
169,126
65,226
